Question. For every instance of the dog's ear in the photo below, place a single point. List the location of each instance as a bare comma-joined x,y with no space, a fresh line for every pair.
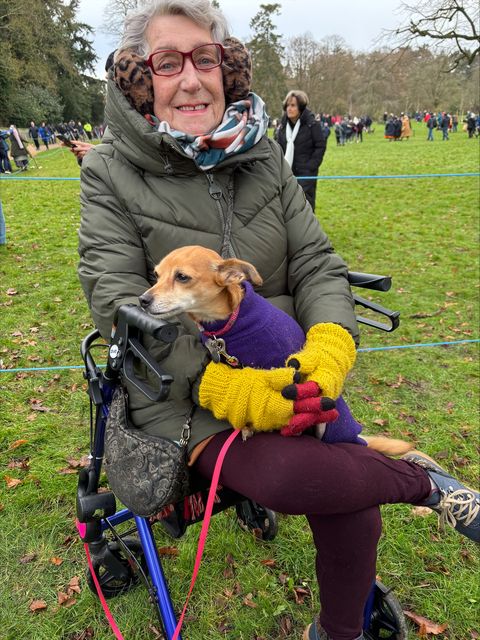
233,271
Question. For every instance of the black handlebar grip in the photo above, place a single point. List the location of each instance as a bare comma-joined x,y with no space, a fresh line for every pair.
136,317
369,281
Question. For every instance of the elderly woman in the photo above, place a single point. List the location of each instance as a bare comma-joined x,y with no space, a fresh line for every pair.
190,163
303,141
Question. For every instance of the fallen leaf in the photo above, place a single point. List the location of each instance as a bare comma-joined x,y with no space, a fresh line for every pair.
158,634
16,444
248,601
268,563
30,557
12,482
65,600
381,422
286,626
168,551
36,403
37,605
426,625
19,463
11,292
74,586
300,594
56,561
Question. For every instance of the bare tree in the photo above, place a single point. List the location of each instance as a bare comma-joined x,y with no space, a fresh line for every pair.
115,13
453,25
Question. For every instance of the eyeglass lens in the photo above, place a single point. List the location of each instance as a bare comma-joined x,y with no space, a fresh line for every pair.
169,63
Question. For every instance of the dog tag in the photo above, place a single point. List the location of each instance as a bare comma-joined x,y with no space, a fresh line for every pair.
217,348
214,347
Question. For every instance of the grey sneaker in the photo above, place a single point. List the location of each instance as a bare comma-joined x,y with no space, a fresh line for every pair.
315,632
457,505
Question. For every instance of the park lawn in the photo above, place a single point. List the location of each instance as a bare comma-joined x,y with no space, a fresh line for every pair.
423,232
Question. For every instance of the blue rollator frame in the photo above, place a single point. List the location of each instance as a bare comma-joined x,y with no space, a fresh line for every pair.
120,563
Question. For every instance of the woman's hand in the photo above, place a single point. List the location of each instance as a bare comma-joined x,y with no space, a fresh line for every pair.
327,357
253,398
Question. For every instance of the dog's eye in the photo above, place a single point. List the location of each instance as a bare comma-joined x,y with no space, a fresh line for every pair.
182,277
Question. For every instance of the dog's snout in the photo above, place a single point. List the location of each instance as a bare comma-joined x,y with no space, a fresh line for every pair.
145,299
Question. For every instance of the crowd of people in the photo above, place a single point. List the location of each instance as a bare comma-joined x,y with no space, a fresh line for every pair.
399,127
14,144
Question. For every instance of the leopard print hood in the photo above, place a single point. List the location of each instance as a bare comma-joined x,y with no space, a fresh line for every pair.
133,76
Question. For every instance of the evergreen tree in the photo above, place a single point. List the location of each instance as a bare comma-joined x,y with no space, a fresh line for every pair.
44,53
267,51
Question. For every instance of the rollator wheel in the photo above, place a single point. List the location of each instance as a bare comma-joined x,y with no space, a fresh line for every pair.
387,621
110,584
260,521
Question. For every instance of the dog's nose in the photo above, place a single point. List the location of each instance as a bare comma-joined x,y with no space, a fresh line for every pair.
145,299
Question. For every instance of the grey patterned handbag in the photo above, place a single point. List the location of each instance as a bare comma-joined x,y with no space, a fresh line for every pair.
145,472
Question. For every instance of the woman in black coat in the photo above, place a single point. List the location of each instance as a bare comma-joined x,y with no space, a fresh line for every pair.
302,140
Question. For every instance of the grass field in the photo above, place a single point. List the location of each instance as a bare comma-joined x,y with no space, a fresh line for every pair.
423,232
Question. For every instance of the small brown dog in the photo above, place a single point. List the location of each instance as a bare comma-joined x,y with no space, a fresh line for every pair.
197,281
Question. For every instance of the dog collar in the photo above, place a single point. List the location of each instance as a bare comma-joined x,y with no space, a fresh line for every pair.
223,330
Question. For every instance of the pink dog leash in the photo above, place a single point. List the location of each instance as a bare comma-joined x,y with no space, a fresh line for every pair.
81,527
205,524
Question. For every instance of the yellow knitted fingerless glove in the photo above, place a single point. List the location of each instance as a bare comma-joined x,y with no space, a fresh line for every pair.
328,355
247,397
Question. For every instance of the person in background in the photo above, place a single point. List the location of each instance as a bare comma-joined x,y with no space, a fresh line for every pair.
18,148
3,231
445,125
431,126
5,166
163,178
33,134
87,127
406,130
303,141
44,134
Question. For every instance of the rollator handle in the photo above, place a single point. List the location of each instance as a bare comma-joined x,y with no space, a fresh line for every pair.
137,317
369,281
127,351
393,316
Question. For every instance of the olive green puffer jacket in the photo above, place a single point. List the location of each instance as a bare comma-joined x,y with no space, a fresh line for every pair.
142,196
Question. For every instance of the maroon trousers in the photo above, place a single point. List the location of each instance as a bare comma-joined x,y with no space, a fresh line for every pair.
339,488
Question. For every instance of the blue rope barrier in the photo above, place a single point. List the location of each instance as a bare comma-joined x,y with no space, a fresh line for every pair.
386,177
364,350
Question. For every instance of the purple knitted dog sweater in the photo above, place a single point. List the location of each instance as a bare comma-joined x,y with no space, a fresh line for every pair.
263,337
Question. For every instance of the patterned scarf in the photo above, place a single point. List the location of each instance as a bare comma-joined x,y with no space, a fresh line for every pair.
244,124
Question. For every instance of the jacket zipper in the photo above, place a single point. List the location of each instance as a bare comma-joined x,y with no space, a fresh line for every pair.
216,193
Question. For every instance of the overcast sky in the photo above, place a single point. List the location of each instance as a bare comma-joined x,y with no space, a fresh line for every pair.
359,23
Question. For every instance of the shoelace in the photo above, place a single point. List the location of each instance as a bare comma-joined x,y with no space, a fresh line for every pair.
459,506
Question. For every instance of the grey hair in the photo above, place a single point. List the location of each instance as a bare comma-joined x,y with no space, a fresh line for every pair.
199,11
301,96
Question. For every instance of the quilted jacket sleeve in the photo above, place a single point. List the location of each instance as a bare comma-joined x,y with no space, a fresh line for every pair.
112,267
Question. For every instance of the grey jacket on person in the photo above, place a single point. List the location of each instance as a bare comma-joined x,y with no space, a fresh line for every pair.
142,197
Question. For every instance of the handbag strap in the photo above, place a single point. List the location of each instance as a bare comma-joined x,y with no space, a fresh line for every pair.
205,524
